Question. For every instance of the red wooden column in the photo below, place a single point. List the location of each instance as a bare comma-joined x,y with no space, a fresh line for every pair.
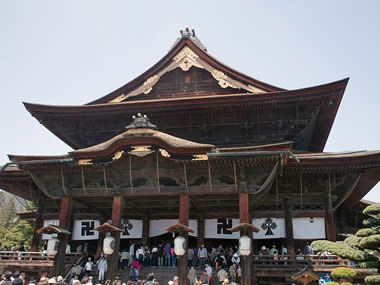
113,259
330,226
289,227
183,219
201,232
65,221
99,246
36,237
145,231
245,261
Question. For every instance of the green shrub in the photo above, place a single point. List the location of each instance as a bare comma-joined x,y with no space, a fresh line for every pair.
353,241
371,242
332,283
371,222
373,211
372,279
341,250
345,283
365,232
368,264
343,272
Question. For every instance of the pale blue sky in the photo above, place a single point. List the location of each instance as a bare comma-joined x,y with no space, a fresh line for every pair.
72,52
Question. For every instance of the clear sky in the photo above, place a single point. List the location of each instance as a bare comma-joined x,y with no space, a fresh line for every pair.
72,52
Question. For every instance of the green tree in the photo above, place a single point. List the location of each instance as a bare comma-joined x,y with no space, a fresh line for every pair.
360,246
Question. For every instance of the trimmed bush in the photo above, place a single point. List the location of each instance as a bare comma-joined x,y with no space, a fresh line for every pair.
343,272
341,250
371,222
353,241
372,279
366,232
373,211
368,264
370,242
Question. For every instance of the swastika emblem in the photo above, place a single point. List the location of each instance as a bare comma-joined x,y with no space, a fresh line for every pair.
88,228
224,226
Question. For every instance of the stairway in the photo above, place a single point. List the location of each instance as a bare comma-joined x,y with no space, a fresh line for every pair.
162,274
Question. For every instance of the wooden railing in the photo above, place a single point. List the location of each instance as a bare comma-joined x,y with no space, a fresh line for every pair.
25,259
22,258
318,262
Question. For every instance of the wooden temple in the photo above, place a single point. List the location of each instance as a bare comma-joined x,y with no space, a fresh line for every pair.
194,140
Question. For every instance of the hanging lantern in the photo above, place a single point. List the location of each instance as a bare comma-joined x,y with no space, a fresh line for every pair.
180,245
245,245
52,246
108,245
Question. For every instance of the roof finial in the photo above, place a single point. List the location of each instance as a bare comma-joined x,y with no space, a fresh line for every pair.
187,32
141,122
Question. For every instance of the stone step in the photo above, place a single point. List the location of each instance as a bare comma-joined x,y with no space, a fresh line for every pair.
162,274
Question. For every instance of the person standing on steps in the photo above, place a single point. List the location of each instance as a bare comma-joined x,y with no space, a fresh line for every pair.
167,254
192,275
102,267
202,255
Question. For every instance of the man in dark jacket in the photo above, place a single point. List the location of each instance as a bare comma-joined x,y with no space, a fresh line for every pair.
7,280
17,280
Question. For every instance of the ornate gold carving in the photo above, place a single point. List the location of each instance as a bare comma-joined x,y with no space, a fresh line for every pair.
141,150
223,80
200,157
149,83
85,161
117,155
164,153
254,89
185,52
186,58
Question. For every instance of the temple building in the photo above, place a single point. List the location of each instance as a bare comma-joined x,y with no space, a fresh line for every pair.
194,142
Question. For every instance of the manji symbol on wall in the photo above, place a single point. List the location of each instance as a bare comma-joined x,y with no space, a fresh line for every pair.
87,228
268,225
224,226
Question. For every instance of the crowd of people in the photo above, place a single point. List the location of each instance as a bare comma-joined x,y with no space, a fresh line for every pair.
220,265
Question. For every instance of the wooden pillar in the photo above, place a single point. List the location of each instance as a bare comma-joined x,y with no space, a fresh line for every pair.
38,224
201,232
145,231
289,227
245,261
113,259
183,219
99,246
65,222
330,226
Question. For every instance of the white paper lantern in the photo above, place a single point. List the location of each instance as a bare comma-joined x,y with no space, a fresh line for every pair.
52,246
245,245
180,245
108,245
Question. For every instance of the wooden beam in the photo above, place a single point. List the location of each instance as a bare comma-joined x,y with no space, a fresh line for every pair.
39,223
183,219
245,261
65,221
113,259
289,227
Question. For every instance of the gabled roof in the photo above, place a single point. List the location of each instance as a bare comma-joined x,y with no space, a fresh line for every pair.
142,137
187,52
